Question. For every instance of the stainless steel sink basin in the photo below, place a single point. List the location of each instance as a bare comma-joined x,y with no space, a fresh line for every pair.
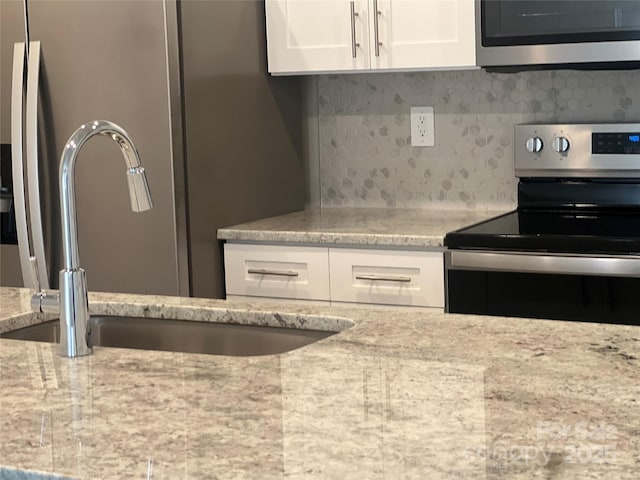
180,336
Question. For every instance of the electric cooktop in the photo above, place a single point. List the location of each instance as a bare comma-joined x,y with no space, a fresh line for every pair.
546,230
578,192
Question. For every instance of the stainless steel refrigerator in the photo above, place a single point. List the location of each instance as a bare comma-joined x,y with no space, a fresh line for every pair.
221,140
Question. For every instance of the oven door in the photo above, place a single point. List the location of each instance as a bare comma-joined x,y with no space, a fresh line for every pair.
525,32
587,288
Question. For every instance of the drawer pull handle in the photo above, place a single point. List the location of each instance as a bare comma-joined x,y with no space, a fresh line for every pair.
279,273
384,278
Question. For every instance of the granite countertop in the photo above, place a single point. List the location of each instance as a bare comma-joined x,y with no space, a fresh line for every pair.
358,226
400,394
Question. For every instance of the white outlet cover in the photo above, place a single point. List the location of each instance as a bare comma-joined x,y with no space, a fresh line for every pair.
422,127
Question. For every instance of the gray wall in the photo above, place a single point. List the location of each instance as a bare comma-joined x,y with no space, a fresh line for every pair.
243,130
363,158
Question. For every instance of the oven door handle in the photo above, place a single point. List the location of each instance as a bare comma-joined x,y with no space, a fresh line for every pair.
545,263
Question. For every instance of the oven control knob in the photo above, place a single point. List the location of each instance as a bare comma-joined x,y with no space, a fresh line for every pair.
534,144
560,144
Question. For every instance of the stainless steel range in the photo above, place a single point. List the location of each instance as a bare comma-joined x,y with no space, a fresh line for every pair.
571,250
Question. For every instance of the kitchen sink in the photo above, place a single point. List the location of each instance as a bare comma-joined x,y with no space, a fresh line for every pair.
179,336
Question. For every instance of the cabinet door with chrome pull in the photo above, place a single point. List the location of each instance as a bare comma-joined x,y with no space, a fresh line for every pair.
419,34
323,36
387,277
305,36
276,271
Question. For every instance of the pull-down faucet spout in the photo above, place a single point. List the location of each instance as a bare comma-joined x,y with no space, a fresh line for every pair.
74,304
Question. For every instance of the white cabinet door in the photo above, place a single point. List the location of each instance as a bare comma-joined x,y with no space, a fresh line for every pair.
277,271
314,36
317,35
340,275
423,34
387,277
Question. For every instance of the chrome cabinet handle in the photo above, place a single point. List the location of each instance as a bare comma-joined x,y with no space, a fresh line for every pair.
279,273
17,92
354,44
376,31
33,176
384,278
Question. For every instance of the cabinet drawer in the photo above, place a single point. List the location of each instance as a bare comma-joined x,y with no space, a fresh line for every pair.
277,271
387,277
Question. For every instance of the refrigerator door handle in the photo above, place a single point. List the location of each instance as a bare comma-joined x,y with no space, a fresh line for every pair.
17,93
33,177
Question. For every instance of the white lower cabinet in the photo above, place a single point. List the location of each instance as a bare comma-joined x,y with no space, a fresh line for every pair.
276,271
386,277
316,274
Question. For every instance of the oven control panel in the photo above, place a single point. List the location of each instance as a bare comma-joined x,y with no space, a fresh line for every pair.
610,150
623,143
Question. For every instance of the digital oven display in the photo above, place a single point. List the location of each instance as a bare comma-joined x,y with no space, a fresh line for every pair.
619,143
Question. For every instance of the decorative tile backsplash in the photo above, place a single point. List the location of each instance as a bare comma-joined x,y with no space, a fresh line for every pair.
365,153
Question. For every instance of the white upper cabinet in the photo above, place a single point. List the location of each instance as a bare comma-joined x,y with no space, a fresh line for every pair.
314,36
429,34
317,35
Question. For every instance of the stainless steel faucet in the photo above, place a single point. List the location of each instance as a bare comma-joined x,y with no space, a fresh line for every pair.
73,303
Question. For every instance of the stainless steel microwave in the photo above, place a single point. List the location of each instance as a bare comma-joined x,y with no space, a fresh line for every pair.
557,34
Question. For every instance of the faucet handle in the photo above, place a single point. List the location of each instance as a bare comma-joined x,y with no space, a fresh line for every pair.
42,301
33,262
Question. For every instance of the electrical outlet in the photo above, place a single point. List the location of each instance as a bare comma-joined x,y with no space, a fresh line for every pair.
422,127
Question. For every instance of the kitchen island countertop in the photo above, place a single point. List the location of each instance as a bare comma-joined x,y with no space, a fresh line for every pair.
400,394
355,227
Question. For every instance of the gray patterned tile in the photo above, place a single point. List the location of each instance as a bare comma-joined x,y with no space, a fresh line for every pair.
366,158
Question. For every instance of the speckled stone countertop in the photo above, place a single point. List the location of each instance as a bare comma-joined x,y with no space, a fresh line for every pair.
358,227
400,394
